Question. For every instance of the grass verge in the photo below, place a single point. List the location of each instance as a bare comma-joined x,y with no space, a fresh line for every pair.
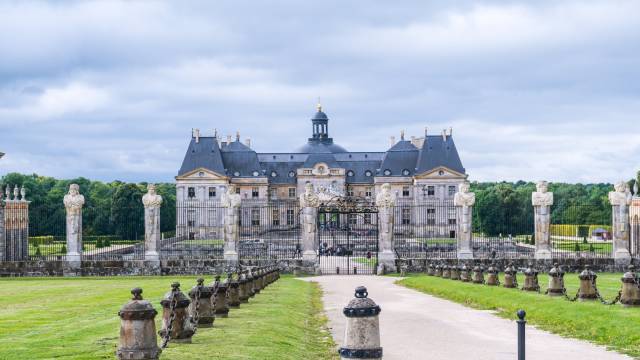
611,326
76,318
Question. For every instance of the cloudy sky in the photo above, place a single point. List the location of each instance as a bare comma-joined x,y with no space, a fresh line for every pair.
111,90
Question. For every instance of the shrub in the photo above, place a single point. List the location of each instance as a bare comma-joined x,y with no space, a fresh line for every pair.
99,243
577,247
38,253
63,249
591,249
584,240
107,242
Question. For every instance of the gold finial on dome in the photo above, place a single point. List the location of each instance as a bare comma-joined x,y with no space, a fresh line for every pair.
319,106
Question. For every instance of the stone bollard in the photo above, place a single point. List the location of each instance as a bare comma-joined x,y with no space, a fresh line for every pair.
380,270
200,307
478,275
630,289
438,270
556,281
403,271
251,283
362,332
430,270
446,272
510,277
219,299
176,323
455,272
243,292
256,281
531,279
465,274
587,285
138,330
493,276
233,289
263,280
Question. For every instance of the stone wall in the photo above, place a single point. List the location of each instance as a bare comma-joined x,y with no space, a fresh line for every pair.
135,267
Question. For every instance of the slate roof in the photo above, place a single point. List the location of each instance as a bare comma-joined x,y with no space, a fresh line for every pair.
436,152
237,158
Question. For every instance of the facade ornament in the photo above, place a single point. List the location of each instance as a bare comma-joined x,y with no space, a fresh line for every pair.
620,200
23,193
464,201
230,199
16,193
152,202
386,198
542,200
73,203
8,192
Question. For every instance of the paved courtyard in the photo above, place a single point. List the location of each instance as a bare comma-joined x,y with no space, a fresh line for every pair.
419,326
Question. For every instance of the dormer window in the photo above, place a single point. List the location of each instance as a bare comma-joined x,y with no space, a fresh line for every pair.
274,174
405,172
368,173
350,173
201,173
256,173
387,172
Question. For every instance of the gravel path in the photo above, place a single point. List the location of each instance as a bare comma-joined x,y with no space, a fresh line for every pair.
419,326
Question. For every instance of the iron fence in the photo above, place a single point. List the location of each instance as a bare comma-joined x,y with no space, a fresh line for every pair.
198,232
501,232
581,231
269,231
425,230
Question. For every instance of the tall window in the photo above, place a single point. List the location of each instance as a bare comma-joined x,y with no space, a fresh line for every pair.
255,217
191,218
191,192
452,216
237,189
353,220
405,191
290,217
212,192
406,216
273,193
452,190
275,217
212,217
292,192
255,192
431,190
431,216
367,218
349,191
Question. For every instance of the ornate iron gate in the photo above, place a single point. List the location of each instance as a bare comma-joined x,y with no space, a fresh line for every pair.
348,237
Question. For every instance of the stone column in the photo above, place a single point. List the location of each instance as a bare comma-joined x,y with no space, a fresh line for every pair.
620,200
464,201
152,201
73,203
542,201
386,201
231,201
309,203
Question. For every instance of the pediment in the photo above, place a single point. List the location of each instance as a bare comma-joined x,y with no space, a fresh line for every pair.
441,172
201,173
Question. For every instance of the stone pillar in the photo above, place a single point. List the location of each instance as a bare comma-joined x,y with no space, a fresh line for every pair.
73,203
309,203
152,201
620,200
231,201
385,201
464,201
542,201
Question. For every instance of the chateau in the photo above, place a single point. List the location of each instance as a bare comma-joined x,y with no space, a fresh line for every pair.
420,170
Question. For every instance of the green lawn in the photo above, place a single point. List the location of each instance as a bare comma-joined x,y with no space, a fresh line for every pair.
568,245
363,260
612,326
76,318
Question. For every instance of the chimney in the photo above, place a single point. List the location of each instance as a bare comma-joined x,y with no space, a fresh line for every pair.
413,138
450,130
197,135
392,139
215,133
425,132
237,135
402,135
247,142
444,134
228,139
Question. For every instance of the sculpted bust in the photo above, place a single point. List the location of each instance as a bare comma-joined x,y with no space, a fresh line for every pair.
309,198
386,198
230,198
621,196
73,201
463,197
151,198
542,197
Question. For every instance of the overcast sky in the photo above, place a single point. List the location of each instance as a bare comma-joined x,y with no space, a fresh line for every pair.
110,90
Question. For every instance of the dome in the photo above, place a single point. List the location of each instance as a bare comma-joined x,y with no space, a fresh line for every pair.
320,115
313,147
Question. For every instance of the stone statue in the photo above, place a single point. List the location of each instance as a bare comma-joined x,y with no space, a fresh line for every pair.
23,194
620,199
464,201
309,202
542,200
73,203
152,202
231,201
386,198
16,193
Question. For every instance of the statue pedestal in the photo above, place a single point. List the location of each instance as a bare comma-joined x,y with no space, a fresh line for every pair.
543,254
74,260
231,257
153,257
465,254
622,257
309,256
388,260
